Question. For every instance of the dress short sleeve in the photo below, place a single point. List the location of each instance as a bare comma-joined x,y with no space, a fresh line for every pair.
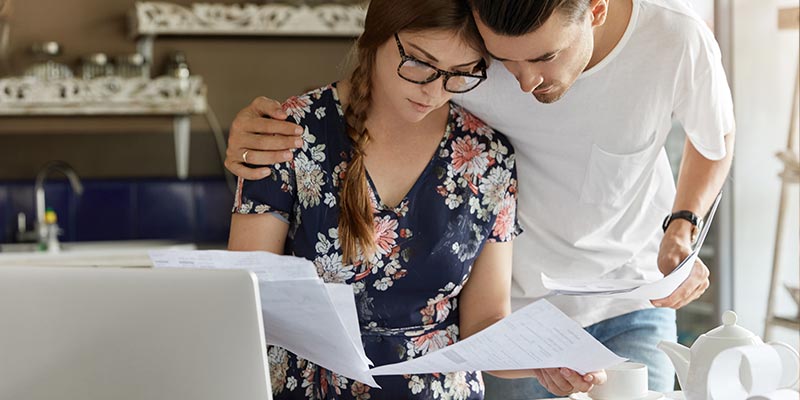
506,225
273,194
278,193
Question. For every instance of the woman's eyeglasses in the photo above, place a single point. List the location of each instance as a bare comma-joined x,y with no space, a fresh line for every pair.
420,72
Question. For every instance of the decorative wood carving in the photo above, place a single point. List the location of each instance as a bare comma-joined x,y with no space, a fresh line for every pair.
102,96
161,18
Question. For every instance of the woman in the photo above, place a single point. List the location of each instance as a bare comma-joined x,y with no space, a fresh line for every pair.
400,193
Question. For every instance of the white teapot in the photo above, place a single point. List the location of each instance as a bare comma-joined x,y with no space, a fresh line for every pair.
692,365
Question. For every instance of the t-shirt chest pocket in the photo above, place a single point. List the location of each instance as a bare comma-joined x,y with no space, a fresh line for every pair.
611,177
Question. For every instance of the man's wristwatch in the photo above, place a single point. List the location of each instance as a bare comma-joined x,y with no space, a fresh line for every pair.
687,215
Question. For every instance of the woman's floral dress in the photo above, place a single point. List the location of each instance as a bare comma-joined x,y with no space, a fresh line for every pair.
407,296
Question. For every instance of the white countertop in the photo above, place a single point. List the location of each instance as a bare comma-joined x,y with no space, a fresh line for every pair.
677,395
126,253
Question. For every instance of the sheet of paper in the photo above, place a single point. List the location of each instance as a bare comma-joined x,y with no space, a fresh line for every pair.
629,289
300,316
566,286
633,289
342,298
536,336
665,286
314,320
269,266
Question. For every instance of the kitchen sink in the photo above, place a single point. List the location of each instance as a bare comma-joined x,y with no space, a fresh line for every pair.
126,253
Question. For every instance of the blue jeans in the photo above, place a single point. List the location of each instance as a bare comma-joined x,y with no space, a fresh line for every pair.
633,336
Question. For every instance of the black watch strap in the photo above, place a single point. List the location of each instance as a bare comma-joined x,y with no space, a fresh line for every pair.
682,214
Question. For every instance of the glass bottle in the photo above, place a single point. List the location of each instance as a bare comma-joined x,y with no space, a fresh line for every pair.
96,65
131,66
177,67
46,67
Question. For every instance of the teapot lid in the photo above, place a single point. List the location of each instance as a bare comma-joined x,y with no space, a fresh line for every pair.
729,329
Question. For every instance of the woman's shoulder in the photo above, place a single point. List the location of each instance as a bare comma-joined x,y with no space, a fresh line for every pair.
466,124
314,105
319,112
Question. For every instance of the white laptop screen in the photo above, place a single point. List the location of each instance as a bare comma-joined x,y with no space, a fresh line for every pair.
131,334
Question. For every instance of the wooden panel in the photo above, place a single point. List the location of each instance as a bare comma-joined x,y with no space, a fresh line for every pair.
791,323
789,18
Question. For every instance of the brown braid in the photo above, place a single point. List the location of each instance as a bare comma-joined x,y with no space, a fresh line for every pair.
384,19
356,230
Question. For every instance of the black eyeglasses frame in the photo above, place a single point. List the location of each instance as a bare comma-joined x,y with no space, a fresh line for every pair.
439,72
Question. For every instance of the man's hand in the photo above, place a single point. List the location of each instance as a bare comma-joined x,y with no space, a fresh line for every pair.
675,246
260,136
564,381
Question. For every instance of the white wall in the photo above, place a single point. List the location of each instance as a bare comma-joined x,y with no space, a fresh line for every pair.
764,66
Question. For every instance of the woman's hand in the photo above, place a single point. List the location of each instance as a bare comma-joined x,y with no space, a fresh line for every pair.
564,381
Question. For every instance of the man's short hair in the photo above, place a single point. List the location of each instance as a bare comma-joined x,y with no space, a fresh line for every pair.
519,17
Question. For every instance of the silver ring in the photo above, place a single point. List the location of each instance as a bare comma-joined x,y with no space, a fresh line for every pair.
244,155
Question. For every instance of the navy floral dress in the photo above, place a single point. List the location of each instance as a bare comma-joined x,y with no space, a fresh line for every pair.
407,296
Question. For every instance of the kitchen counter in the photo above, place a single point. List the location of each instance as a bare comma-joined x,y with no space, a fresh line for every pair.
128,253
677,395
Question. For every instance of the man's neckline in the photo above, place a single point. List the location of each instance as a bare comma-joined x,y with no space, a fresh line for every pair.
620,43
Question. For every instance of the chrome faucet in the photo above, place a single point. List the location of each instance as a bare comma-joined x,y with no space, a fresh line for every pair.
44,231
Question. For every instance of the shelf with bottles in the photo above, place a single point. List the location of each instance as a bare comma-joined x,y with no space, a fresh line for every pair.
50,88
150,19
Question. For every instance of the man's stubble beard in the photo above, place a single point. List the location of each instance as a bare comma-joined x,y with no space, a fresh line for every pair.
549,98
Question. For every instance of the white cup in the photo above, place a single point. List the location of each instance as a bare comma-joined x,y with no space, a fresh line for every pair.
626,381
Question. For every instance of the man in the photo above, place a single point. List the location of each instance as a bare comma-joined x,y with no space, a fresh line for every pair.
601,81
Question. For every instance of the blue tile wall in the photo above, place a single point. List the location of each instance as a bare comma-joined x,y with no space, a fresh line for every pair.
106,212
195,211
212,224
165,211
7,223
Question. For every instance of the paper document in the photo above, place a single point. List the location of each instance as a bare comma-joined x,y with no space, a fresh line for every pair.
268,265
633,289
302,319
342,297
536,336
315,320
318,321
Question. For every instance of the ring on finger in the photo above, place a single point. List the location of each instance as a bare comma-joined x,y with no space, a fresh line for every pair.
244,155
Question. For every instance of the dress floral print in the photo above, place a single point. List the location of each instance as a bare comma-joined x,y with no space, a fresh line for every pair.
407,294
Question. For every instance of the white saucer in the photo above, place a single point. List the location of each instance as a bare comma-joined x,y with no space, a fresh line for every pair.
651,395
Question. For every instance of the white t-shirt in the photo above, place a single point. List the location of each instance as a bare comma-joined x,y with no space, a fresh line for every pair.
594,179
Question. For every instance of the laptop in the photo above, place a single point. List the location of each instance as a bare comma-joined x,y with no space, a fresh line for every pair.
131,334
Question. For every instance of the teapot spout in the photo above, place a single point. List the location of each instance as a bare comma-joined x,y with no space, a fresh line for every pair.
680,357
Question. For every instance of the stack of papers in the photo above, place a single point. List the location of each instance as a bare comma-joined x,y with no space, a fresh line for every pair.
318,321
633,289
